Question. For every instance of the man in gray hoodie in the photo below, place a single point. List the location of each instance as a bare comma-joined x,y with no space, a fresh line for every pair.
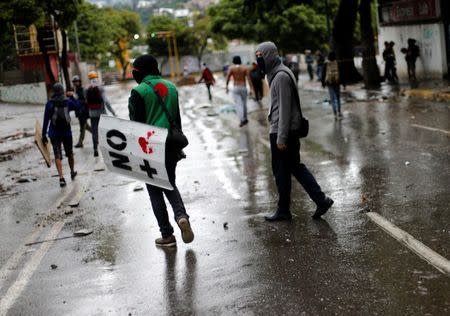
285,117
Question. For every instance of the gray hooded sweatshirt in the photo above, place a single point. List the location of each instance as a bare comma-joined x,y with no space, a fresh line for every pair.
284,115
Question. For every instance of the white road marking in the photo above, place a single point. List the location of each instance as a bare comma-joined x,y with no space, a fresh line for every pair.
431,128
25,275
429,255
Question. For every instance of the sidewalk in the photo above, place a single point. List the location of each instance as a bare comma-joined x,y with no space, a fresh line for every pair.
429,90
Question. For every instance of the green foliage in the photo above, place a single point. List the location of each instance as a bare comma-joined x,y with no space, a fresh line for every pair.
294,25
100,30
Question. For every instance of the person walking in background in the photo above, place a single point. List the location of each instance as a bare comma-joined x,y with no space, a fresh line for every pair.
239,74
309,60
390,73
83,111
411,55
208,78
330,78
145,106
320,61
285,119
256,78
97,104
57,122
294,67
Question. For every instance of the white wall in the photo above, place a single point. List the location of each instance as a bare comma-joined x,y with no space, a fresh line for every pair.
430,38
24,93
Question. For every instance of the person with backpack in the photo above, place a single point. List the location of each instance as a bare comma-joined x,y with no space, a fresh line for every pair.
330,78
208,78
412,52
57,123
97,104
83,112
285,117
155,102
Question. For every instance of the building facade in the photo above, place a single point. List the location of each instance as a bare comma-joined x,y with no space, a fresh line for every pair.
426,21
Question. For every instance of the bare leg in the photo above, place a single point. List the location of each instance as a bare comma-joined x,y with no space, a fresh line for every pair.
58,164
72,163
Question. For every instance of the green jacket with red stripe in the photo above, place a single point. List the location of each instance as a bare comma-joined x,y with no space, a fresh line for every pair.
144,106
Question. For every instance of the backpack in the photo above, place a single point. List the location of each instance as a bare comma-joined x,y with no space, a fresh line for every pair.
332,73
60,117
94,98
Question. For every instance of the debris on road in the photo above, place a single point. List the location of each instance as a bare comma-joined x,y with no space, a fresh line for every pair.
407,163
138,188
227,109
225,225
26,179
78,233
53,266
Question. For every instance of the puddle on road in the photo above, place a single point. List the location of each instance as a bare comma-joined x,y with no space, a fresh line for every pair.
106,248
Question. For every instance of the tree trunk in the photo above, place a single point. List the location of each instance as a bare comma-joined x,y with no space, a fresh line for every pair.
124,70
201,52
64,64
344,27
48,68
371,72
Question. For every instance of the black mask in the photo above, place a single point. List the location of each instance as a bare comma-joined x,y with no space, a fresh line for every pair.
261,64
138,76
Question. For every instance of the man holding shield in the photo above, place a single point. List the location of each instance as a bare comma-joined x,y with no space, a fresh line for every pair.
144,106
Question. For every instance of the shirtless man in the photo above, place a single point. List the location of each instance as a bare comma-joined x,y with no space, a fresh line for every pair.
240,74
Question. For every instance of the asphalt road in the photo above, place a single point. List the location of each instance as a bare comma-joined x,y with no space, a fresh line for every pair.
387,156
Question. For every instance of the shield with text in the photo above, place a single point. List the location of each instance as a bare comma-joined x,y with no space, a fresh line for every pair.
134,150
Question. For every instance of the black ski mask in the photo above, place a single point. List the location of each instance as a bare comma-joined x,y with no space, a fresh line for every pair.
145,65
261,64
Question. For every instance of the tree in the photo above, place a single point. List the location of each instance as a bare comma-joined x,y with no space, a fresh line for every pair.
65,13
124,25
279,21
371,71
342,41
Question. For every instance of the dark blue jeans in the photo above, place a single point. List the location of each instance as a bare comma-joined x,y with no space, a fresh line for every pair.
173,196
335,96
94,128
286,163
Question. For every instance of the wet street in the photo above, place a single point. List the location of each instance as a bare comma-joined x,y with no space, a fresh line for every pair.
388,156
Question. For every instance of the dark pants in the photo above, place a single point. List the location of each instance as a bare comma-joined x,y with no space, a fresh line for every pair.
411,69
83,119
173,196
286,163
94,129
258,87
208,86
335,98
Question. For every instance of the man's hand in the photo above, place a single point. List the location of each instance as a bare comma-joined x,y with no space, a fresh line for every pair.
281,147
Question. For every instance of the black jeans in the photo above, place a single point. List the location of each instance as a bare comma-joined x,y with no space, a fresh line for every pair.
94,128
286,163
157,199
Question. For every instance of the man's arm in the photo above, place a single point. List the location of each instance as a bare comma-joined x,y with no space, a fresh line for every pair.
106,101
136,107
284,89
230,73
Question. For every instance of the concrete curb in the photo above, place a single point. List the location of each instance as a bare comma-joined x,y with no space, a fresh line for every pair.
428,94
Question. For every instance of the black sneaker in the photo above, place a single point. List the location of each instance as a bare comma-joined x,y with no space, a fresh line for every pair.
95,153
186,230
79,145
62,182
322,209
166,242
278,217
73,175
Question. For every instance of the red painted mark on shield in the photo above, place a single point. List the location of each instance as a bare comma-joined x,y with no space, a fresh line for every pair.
144,143
162,89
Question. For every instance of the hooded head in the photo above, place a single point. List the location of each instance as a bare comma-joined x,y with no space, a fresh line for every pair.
58,91
270,57
143,66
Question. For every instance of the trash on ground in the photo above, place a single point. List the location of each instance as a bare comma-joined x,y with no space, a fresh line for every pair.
138,188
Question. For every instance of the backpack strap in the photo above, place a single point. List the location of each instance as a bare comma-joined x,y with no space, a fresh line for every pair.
294,87
162,104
